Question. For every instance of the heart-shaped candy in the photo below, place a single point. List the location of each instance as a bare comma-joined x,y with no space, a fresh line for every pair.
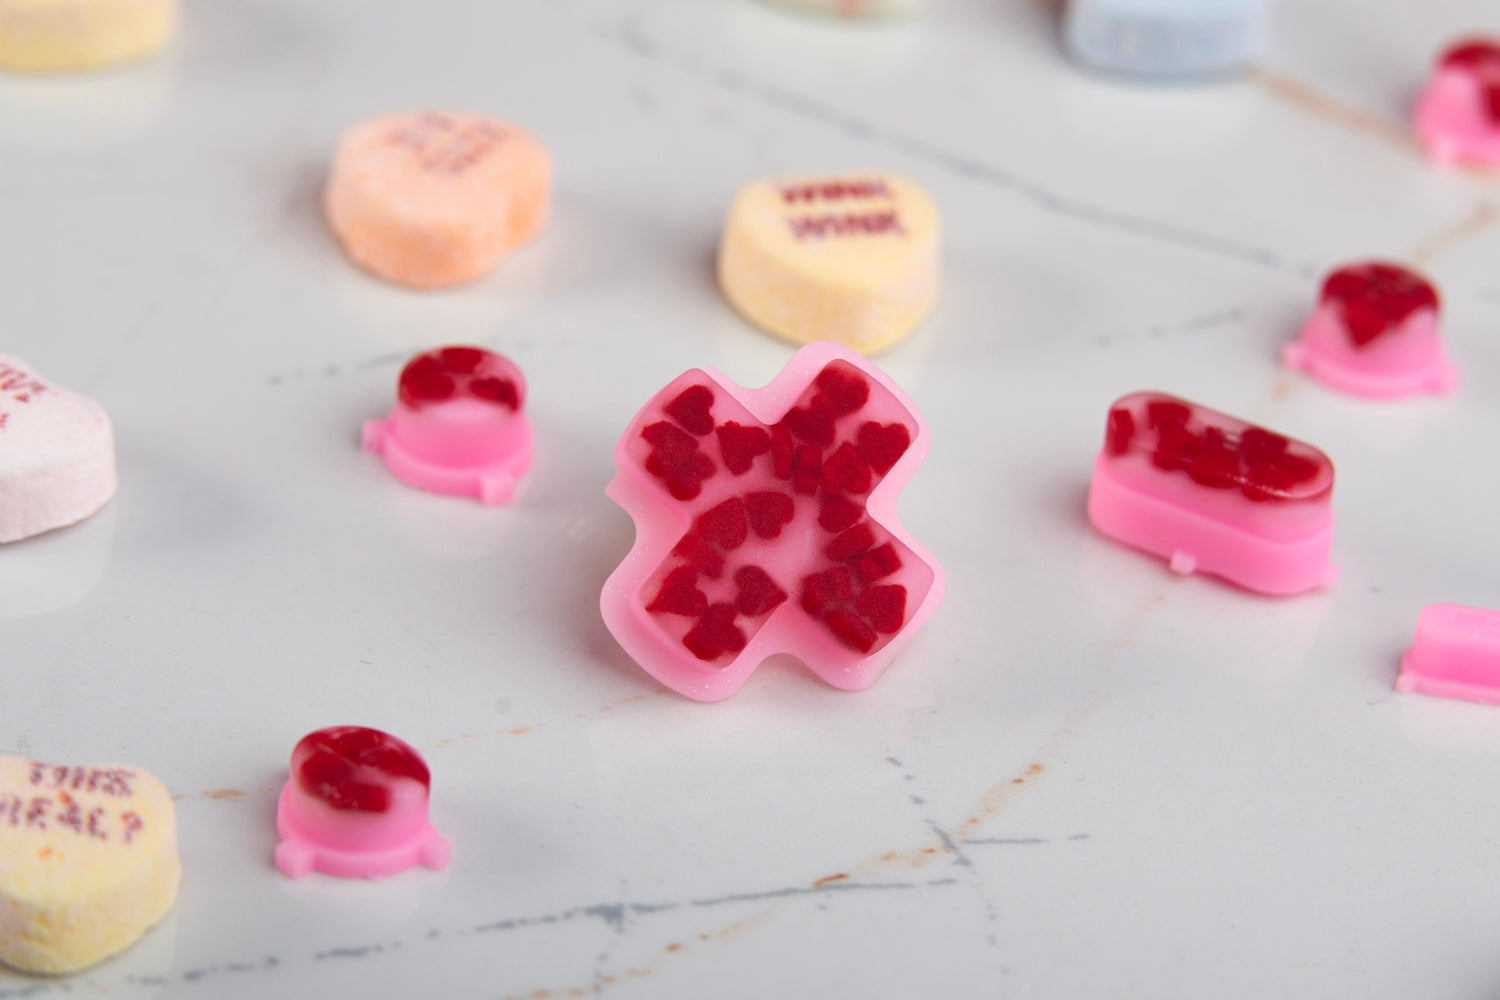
851,258
88,862
57,454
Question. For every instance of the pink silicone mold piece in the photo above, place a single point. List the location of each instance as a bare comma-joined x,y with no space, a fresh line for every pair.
356,807
1458,114
766,523
1456,654
1375,334
1213,494
458,426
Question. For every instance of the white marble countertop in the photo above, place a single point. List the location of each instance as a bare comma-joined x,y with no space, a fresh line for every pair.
1085,778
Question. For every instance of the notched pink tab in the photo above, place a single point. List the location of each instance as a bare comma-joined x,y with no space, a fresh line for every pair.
458,427
1375,334
766,523
356,807
1458,115
1456,654
1213,494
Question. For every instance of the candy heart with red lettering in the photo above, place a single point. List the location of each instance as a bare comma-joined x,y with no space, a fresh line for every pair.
57,454
88,862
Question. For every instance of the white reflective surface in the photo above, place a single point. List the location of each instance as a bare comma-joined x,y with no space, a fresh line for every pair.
1086,778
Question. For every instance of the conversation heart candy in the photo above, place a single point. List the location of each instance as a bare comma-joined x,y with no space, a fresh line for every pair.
1165,39
458,427
766,523
1375,334
63,35
88,862
57,454
1213,494
435,199
851,258
356,807
1457,116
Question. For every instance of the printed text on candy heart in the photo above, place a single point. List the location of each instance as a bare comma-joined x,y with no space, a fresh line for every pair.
444,146
19,385
886,222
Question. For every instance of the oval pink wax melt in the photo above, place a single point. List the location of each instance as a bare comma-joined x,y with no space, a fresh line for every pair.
766,523
356,807
1375,334
458,427
1458,115
1456,654
1215,495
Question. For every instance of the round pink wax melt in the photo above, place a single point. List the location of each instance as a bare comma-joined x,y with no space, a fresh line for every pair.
356,807
1375,334
458,427
1458,115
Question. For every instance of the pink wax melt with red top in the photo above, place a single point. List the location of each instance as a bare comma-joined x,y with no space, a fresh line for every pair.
458,427
1456,654
1375,333
356,807
766,523
1213,494
1458,115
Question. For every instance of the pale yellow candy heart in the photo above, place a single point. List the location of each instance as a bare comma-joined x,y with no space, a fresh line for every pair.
850,257
61,35
88,862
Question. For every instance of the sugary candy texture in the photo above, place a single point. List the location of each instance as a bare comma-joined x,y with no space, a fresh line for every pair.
55,36
766,523
1376,334
437,198
1166,39
356,807
850,257
88,862
458,427
57,454
1456,654
1214,494
855,9
1458,115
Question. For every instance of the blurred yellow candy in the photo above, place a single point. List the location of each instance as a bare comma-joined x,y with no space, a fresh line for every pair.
88,862
850,257
42,36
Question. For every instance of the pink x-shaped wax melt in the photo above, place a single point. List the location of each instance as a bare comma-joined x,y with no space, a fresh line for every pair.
766,523
1458,114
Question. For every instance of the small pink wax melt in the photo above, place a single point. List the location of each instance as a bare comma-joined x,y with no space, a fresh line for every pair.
1458,114
458,426
356,807
766,523
1456,654
1213,494
1375,334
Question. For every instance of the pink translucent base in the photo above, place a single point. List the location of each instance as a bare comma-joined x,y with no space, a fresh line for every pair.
1452,122
1408,362
1195,543
492,480
354,845
1456,654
